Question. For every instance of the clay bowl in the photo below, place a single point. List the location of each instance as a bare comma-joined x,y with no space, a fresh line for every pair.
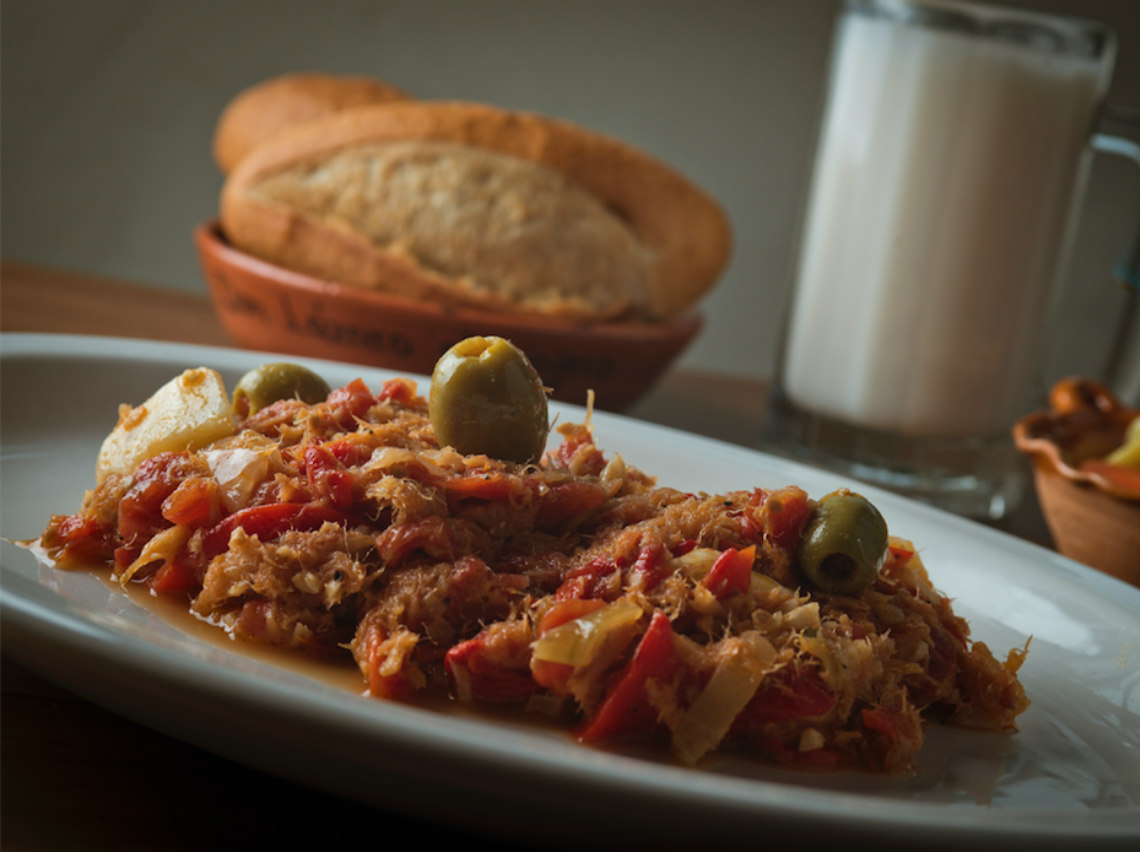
268,308
1092,508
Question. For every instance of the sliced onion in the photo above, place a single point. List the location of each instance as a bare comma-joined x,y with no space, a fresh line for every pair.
238,471
697,562
160,548
577,643
731,687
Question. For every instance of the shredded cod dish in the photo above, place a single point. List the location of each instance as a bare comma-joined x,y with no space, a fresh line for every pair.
565,582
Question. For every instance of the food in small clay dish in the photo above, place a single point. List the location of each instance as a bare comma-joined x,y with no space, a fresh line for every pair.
444,549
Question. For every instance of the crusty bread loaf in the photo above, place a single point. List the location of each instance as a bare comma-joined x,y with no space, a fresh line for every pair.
475,205
267,108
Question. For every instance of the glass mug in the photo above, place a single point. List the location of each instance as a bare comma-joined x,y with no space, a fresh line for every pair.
950,162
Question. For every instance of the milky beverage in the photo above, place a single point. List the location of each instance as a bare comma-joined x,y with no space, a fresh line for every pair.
939,211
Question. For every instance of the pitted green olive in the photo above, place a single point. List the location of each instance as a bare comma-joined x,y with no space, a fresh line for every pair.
844,545
265,385
486,398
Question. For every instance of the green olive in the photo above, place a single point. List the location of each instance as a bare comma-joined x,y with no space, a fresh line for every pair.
844,545
486,398
265,385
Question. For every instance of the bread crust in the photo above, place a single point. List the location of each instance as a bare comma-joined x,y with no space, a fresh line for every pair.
264,110
685,232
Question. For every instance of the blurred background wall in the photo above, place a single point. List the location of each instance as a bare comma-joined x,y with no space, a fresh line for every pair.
109,106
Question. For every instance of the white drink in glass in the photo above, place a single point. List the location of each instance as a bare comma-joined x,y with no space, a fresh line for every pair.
948,164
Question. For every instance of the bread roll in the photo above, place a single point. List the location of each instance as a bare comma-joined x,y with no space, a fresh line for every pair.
478,206
268,108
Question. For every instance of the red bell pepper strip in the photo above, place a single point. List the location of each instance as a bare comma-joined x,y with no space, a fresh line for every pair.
683,547
487,679
731,573
586,581
327,479
194,502
79,538
626,709
551,675
178,574
783,696
398,390
375,654
140,510
881,721
352,449
350,402
578,451
650,568
781,515
267,522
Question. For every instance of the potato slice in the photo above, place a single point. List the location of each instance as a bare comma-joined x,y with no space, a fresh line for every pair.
187,413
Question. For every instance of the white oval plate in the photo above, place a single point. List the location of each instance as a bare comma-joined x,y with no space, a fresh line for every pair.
1072,774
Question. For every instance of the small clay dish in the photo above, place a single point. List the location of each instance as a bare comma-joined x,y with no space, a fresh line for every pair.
1092,508
268,308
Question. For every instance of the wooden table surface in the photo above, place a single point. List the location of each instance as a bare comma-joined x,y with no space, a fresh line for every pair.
78,777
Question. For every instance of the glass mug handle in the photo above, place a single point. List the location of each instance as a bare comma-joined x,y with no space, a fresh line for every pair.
1122,373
